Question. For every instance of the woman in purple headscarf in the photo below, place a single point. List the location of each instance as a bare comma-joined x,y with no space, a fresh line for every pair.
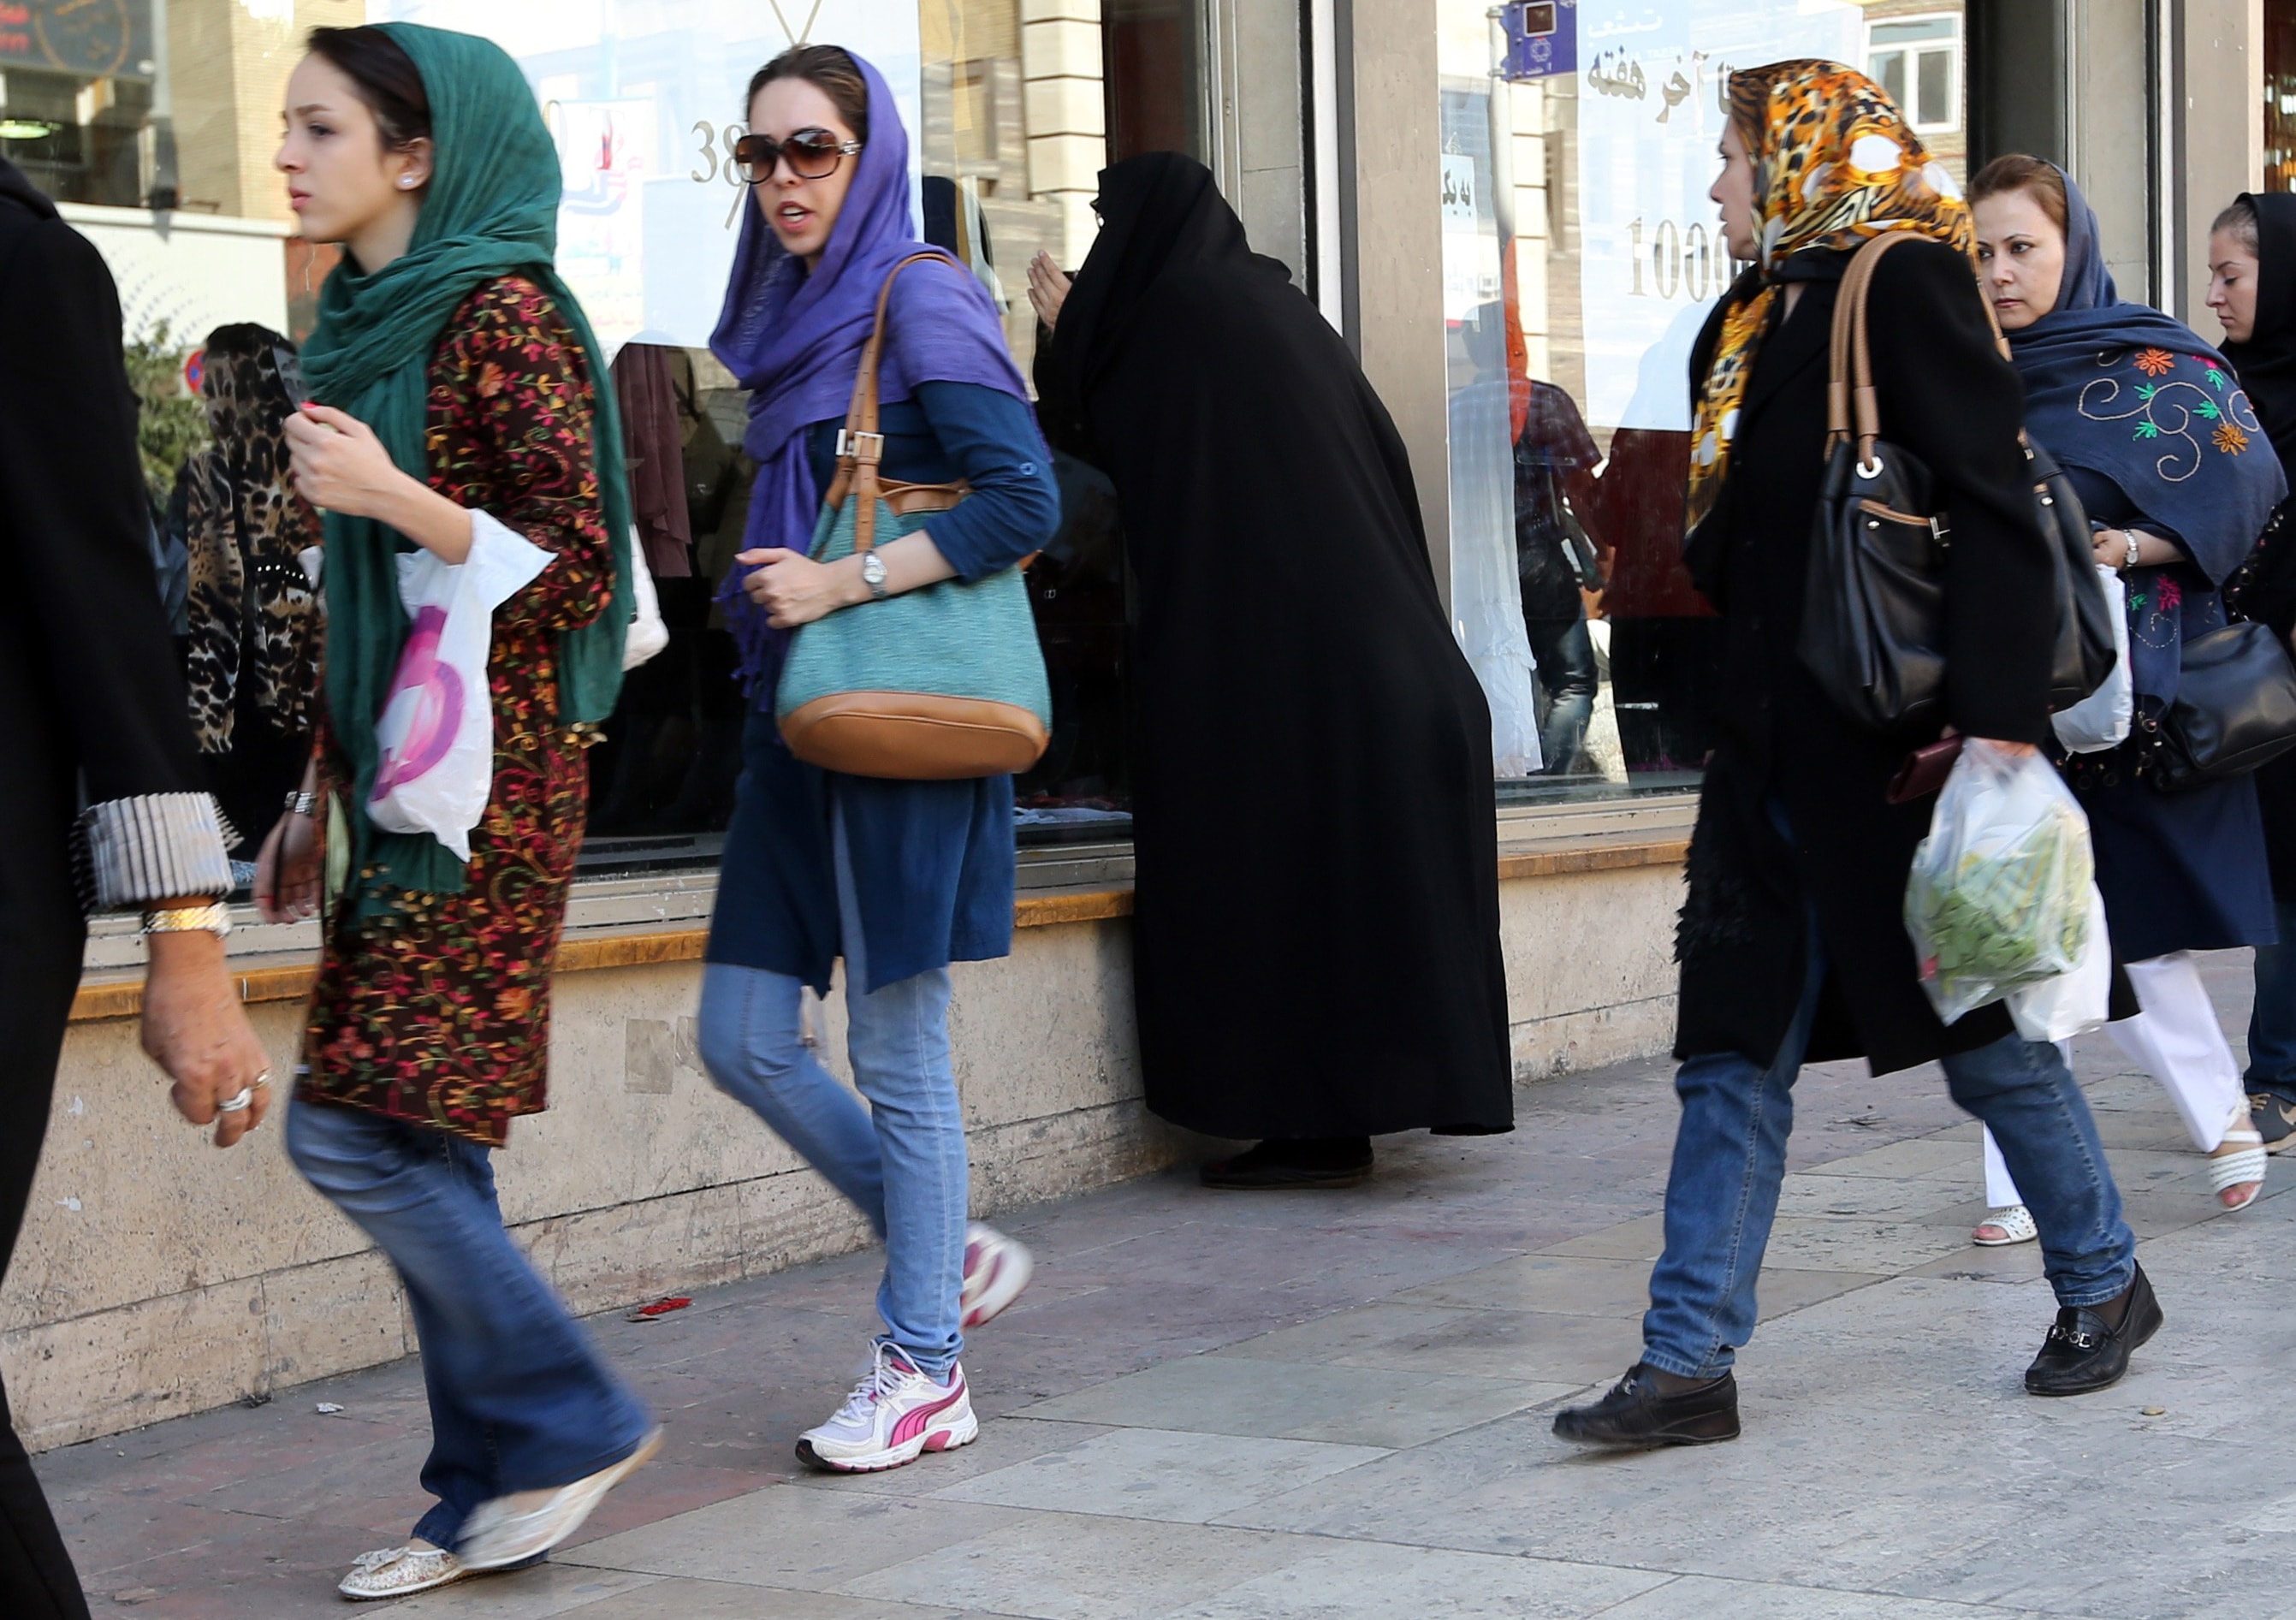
899,877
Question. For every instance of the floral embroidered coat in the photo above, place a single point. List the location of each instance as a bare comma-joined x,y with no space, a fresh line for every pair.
440,1015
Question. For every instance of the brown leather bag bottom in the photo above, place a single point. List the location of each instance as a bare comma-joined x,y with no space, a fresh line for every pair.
914,736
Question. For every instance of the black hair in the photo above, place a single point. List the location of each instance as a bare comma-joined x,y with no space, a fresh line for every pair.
385,77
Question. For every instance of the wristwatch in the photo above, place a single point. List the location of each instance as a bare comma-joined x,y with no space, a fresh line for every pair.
873,575
2130,561
214,918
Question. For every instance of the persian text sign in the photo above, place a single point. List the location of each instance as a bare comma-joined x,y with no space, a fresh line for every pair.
1653,83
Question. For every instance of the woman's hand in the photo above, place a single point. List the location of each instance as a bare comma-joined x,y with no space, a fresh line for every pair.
195,1028
340,465
1048,289
794,590
2111,546
287,871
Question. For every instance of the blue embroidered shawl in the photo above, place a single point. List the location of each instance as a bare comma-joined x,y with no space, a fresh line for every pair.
2126,392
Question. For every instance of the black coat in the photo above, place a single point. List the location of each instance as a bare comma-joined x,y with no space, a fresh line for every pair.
1317,939
1948,397
88,683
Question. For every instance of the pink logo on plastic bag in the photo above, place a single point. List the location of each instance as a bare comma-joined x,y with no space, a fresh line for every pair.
438,706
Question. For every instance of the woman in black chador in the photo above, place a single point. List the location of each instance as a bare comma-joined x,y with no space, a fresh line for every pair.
1317,936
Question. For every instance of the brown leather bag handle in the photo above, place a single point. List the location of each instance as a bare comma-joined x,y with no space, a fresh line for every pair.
860,446
1850,401
1849,391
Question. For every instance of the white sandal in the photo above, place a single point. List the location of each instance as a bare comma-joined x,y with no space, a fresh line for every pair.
2244,1165
2015,1224
398,1572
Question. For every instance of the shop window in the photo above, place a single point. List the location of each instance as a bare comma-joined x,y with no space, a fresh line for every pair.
153,123
2280,95
1155,77
1580,257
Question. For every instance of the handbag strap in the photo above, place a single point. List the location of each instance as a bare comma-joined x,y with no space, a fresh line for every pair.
860,446
1850,401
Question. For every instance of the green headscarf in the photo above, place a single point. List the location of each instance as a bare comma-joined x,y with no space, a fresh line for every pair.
490,211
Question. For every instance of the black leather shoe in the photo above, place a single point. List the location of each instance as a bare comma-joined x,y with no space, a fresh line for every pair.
1635,1413
2082,1354
1278,1165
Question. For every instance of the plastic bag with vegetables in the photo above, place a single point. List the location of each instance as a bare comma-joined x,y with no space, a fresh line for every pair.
1998,894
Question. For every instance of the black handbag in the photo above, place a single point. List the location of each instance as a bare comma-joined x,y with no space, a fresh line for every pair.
2234,710
1873,616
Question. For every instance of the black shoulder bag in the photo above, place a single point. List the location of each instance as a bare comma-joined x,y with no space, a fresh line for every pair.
1874,617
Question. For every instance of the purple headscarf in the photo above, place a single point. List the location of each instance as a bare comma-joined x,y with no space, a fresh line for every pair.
794,340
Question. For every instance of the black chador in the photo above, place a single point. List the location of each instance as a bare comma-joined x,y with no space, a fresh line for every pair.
1316,934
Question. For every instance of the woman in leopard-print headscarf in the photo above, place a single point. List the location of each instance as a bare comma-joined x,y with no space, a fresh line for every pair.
253,657
1793,942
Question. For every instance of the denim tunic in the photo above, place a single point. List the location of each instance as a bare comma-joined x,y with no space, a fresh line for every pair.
933,861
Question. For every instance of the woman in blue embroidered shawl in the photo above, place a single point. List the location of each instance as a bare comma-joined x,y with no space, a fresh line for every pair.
899,877
2178,480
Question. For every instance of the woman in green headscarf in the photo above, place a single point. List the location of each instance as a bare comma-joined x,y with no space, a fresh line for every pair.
456,409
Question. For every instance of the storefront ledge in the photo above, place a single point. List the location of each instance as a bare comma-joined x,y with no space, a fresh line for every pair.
1603,856
119,993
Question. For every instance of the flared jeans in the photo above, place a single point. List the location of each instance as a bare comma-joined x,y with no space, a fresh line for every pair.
520,1398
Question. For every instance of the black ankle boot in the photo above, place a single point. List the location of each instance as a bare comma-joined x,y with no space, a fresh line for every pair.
1294,1162
1637,1413
2089,1347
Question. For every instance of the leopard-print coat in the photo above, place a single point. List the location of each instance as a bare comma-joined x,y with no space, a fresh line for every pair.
254,613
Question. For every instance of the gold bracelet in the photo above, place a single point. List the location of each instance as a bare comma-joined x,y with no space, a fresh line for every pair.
214,918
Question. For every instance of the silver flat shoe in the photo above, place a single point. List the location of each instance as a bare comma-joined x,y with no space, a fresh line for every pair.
398,1572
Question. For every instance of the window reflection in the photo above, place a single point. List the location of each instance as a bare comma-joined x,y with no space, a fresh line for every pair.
1580,257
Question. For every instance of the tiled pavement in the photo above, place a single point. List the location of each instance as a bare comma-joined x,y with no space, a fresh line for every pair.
1336,1405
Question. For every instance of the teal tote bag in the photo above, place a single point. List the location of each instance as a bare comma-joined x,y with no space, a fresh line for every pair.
929,685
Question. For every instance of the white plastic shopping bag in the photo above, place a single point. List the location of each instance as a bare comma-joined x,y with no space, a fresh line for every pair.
2100,721
435,740
2061,1008
1998,894
647,635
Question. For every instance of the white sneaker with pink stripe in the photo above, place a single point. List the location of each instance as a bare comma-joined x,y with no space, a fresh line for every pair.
894,1416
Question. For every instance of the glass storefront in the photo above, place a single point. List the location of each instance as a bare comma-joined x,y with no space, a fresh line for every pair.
1580,257
154,121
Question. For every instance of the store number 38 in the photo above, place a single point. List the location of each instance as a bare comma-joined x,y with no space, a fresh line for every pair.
713,165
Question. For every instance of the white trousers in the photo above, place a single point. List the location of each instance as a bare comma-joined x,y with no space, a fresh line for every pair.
2178,1041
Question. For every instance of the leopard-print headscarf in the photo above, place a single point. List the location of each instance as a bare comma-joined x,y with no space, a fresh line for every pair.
254,615
1835,163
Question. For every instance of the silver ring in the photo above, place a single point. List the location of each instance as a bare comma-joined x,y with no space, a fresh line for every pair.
238,1104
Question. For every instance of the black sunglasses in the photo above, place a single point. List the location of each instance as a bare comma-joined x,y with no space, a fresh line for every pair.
812,154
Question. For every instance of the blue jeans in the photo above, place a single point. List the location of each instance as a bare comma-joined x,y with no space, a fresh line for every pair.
901,1160
2271,1026
518,1399
1730,1161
